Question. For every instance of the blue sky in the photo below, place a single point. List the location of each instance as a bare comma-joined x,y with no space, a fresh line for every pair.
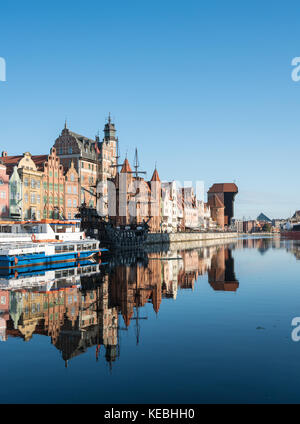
202,87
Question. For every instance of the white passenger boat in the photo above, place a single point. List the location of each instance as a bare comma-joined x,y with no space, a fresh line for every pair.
22,257
40,231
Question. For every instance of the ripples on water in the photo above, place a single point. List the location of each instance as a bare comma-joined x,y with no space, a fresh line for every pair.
209,324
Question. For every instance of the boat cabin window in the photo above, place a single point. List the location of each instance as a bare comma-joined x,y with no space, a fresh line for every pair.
5,229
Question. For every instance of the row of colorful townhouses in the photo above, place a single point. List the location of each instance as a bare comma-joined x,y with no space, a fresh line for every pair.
53,186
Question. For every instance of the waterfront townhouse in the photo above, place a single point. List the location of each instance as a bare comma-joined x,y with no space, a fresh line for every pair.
190,210
15,194
31,182
72,190
4,192
204,216
84,153
52,200
169,206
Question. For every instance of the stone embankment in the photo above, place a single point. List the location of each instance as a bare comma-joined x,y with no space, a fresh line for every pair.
161,238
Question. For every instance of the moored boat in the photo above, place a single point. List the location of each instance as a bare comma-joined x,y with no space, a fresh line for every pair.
40,231
21,256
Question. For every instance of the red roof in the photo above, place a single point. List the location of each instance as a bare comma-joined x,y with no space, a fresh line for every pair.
39,160
155,176
223,188
10,162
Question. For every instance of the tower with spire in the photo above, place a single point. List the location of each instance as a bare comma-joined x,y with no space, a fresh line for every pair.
109,152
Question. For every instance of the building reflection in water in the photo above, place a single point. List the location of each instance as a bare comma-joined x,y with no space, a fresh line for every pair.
88,306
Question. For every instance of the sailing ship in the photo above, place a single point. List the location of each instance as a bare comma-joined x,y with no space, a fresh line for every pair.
112,235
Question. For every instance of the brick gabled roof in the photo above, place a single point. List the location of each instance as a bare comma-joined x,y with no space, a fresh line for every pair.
10,162
126,167
223,188
39,161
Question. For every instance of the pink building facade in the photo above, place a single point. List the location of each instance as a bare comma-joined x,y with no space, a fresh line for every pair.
4,192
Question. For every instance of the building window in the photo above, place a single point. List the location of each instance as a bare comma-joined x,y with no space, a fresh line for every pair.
26,198
3,300
45,186
69,215
69,189
32,197
56,175
69,203
26,182
72,177
74,203
3,195
75,190
38,198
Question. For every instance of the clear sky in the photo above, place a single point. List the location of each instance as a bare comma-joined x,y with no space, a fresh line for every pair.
202,87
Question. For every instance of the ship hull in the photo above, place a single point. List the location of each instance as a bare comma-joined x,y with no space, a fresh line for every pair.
40,260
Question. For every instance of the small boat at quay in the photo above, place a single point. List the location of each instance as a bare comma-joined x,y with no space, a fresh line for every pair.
27,256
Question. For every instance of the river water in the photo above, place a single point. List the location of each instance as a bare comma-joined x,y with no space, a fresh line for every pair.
208,324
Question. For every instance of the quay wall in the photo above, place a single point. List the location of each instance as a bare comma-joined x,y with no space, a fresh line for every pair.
161,238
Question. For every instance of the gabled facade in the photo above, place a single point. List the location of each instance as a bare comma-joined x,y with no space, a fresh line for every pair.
15,194
31,180
85,155
4,192
71,192
53,181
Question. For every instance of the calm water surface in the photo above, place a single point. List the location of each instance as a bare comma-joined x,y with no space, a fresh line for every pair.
205,325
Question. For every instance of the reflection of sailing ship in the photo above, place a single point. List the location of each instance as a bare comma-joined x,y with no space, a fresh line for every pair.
221,273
